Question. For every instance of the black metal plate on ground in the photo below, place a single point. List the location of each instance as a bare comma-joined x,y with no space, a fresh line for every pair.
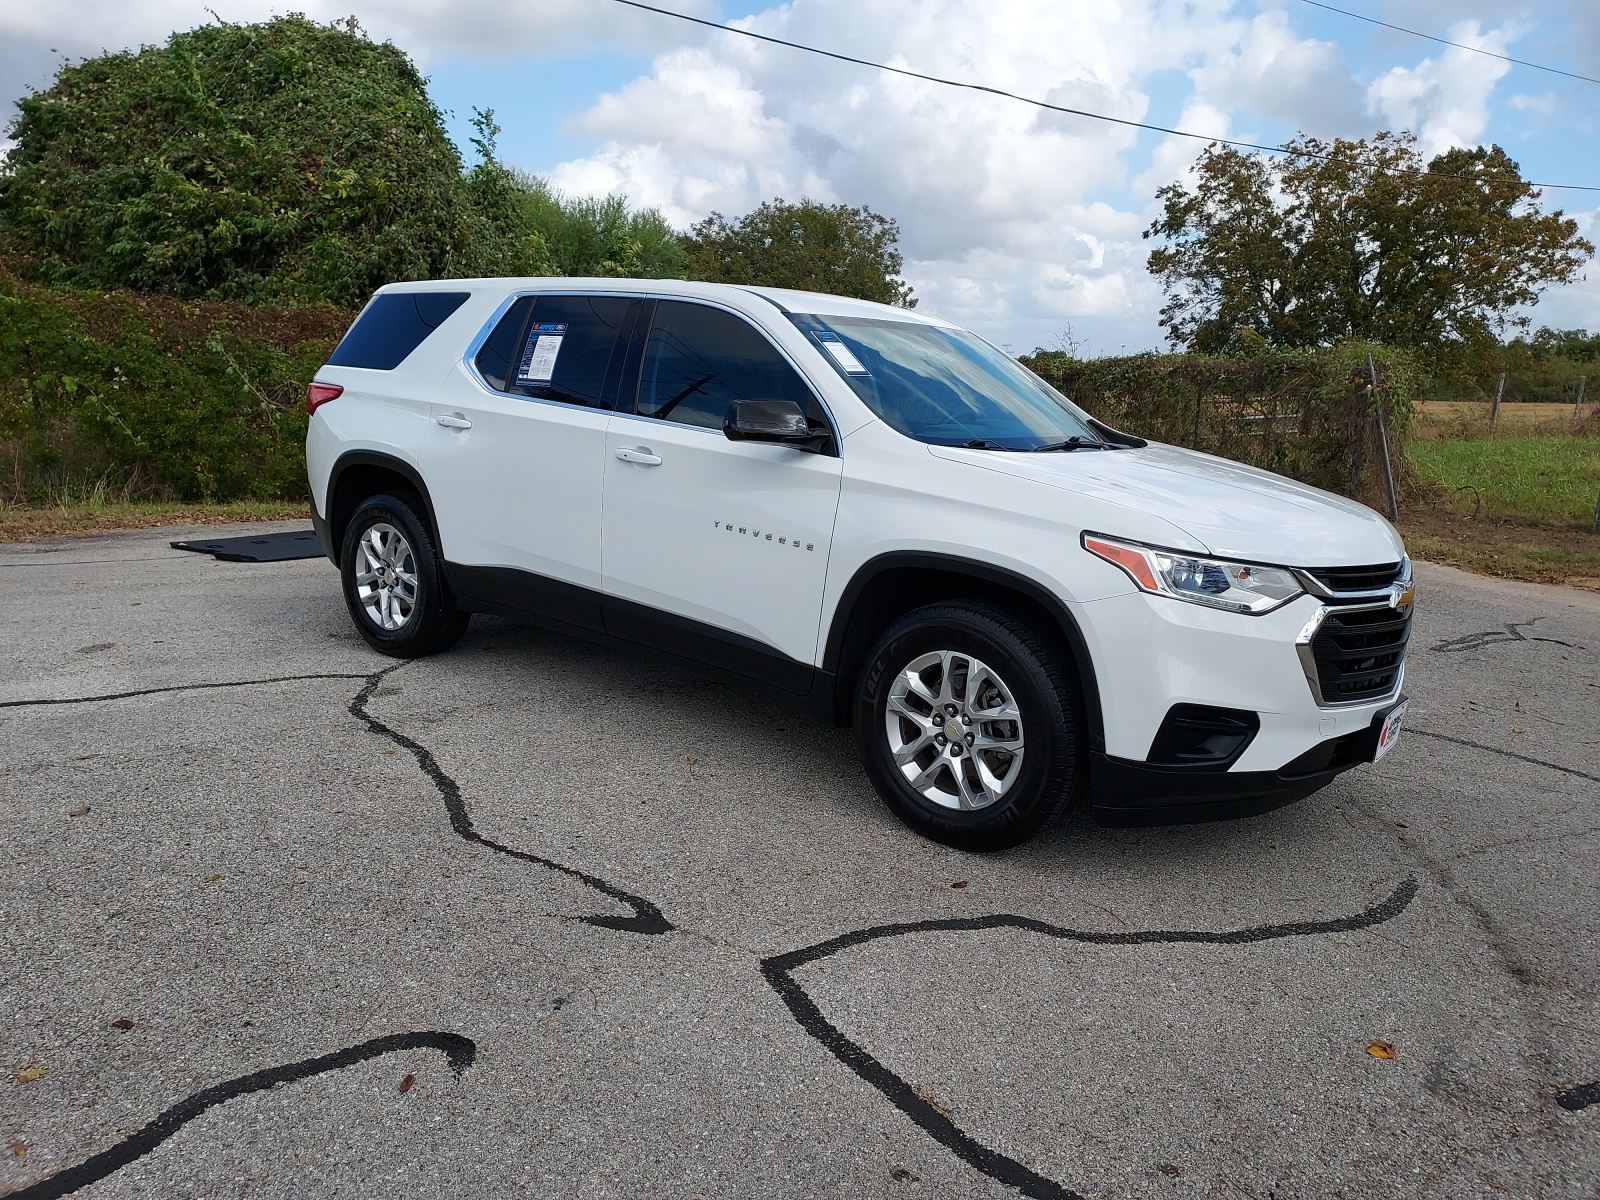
266,547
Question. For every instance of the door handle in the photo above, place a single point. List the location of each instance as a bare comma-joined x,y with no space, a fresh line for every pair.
455,421
642,456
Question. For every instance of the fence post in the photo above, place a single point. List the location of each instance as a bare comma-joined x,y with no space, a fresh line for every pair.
1499,390
1199,399
1383,439
1577,407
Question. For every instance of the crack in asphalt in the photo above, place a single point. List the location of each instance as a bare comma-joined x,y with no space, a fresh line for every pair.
778,970
935,1122
179,687
459,1051
1538,762
646,918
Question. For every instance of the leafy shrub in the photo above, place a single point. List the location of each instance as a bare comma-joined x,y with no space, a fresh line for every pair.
810,246
280,161
169,399
1307,414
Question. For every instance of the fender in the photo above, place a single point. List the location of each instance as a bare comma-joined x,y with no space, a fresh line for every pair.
988,578
330,527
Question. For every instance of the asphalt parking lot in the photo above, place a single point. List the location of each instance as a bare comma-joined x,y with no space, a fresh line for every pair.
282,917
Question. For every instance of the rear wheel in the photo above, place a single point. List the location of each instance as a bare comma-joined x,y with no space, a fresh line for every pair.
393,582
969,725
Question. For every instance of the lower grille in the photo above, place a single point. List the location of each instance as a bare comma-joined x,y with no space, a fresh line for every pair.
1358,653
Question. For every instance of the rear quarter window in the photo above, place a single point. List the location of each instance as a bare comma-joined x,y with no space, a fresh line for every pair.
392,326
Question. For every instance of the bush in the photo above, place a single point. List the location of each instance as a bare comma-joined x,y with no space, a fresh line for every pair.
283,161
158,397
1307,414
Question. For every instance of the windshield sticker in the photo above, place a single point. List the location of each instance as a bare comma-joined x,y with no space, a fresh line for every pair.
842,354
538,363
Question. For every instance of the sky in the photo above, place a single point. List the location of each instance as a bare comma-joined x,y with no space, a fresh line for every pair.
1020,223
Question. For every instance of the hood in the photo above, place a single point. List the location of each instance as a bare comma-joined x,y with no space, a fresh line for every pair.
1233,510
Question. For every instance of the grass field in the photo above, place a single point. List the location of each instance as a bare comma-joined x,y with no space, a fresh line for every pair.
1543,478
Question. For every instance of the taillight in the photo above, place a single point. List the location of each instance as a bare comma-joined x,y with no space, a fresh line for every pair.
319,394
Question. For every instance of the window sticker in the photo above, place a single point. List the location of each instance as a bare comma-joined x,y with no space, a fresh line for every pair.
538,363
842,354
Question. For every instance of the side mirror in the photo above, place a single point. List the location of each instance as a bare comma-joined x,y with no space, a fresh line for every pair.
772,421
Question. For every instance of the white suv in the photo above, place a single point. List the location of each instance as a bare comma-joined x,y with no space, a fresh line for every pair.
871,513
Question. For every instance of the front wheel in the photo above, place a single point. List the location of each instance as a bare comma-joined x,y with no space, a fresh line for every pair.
393,584
969,724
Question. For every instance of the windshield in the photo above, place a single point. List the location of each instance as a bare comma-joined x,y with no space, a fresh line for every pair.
945,386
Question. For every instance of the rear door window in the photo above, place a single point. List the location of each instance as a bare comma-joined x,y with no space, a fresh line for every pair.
392,326
556,348
698,360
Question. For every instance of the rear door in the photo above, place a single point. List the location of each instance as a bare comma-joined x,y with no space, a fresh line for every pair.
514,456
715,549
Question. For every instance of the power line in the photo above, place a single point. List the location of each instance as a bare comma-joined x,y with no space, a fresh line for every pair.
1521,62
1074,112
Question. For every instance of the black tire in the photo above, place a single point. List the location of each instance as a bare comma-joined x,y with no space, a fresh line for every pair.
431,623
1026,662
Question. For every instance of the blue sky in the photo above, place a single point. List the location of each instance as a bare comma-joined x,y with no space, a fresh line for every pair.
1019,224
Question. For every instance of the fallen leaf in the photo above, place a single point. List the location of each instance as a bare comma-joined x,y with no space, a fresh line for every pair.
19,1147
693,762
928,1099
1381,1049
960,883
122,1023
405,1084
1515,731
1169,1170
901,1175
212,878
81,811
385,751
32,1073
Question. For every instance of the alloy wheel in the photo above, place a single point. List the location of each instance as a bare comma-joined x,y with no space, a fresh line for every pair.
386,577
954,730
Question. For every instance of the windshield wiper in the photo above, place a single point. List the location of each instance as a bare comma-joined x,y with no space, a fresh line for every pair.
1074,443
984,444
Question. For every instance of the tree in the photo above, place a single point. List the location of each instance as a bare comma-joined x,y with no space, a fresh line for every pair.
286,160
1357,240
811,246
527,228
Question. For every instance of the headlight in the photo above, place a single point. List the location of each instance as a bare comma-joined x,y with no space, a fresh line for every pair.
1214,582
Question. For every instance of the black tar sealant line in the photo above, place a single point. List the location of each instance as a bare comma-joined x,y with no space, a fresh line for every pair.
1576,1099
180,687
458,1050
779,971
1538,762
646,918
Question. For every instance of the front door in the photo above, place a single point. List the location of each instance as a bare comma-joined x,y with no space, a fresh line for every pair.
515,457
713,548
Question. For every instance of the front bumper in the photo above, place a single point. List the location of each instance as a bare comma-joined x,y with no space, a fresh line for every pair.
1128,793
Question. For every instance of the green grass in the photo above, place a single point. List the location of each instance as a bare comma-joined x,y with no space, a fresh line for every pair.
1552,478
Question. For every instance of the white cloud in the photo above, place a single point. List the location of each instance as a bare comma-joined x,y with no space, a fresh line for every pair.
1305,84
1444,100
1002,206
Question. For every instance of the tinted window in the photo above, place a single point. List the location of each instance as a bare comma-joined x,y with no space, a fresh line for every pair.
555,347
699,360
494,360
392,326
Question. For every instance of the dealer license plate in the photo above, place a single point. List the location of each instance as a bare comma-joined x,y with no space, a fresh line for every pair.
1390,733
